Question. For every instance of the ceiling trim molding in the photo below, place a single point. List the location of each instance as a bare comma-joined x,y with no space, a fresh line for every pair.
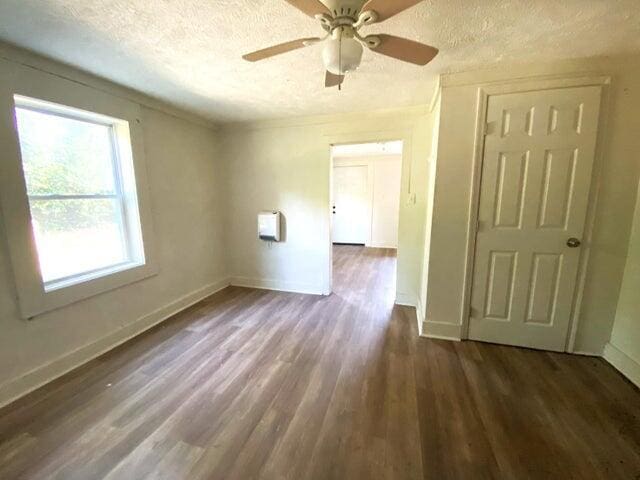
13,54
594,67
410,113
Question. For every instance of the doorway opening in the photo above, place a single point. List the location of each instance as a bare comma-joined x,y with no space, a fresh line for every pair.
365,211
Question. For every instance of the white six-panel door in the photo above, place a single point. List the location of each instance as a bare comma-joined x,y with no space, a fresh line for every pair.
351,216
536,176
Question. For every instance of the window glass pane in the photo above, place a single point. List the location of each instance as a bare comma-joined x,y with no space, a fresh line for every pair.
77,236
64,156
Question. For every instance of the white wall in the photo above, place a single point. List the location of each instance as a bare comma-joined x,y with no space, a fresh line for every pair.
384,184
385,212
620,168
623,349
430,194
184,174
285,165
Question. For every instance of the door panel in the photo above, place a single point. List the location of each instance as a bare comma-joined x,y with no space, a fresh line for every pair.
351,216
543,287
536,177
502,268
558,184
512,171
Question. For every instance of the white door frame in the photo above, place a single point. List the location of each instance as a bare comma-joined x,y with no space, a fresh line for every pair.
527,85
406,136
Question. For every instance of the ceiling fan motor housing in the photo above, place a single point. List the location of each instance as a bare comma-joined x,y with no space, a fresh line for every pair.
340,8
342,53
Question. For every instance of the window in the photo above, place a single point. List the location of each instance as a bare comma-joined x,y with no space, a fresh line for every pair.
76,205
80,184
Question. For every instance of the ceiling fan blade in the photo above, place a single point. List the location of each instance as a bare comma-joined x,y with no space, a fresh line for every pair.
388,8
310,7
278,49
332,80
405,49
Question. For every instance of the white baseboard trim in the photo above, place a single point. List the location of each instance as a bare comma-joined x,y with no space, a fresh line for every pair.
34,379
420,316
442,331
585,353
405,299
623,363
278,285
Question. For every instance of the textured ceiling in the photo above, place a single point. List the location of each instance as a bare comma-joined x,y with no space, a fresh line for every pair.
187,52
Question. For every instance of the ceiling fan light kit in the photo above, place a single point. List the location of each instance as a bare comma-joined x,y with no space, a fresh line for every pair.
342,53
343,45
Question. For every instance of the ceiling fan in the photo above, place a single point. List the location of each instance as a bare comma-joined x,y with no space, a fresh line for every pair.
343,45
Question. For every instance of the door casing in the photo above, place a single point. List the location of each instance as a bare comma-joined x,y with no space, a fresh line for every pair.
403,134
542,83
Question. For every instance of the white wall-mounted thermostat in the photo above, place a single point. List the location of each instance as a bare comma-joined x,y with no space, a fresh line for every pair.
269,226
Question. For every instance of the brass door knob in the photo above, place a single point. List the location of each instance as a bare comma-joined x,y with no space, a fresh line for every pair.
573,242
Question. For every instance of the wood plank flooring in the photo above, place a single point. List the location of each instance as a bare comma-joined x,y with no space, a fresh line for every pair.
254,384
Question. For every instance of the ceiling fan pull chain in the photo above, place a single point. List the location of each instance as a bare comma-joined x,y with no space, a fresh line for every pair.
340,58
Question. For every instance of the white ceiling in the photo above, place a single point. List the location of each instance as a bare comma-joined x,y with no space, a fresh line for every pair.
188,52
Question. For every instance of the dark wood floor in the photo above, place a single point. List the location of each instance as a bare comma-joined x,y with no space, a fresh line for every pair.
256,384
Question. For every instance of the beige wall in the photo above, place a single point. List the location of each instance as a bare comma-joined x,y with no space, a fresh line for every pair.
183,168
285,165
623,350
620,145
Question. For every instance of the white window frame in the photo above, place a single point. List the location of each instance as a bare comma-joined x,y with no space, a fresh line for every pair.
124,182
83,103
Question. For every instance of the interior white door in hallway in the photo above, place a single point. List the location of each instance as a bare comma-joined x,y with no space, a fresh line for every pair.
536,177
351,216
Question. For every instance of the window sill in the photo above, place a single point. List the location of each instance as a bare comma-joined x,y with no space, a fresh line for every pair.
88,276
62,294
